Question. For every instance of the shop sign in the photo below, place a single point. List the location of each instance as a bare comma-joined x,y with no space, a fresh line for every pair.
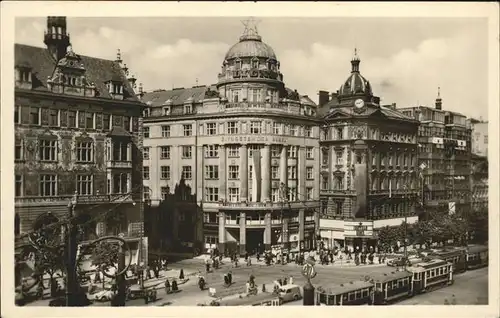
254,138
360,229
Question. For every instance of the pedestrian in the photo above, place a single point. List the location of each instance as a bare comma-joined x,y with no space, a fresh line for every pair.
280,282
174,285
167,286
284,281
230,277
226,280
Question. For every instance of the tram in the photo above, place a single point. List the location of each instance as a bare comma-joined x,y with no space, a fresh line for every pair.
261,299
431,275
352,293
477,256
457,257
390,287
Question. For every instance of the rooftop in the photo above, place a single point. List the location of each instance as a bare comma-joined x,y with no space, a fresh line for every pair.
98,71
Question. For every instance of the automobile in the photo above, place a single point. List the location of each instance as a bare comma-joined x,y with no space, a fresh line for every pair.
400,261
289,292
104,295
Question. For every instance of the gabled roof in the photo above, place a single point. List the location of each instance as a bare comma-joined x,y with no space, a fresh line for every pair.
391,113
305,100
98,70
370,111
177,95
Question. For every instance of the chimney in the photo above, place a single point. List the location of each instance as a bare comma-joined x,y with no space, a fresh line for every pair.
324,98
439,101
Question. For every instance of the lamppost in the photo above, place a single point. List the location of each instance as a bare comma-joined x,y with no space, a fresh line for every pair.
283,192
309,272
74,294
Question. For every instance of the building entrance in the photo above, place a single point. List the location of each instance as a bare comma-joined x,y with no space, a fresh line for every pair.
255,240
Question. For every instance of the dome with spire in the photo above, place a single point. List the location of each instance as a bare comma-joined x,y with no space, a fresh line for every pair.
250,45
355,84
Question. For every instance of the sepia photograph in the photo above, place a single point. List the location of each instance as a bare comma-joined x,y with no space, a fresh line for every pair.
249,159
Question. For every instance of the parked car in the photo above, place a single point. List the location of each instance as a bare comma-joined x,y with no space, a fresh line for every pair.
104,295
400,261
289,292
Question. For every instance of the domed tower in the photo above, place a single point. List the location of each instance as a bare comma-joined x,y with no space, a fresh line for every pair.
251,71
56,38
356,90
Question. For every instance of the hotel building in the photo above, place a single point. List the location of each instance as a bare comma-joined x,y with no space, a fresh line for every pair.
234,164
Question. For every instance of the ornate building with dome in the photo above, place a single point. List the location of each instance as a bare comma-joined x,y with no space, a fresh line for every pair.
238,159
368,165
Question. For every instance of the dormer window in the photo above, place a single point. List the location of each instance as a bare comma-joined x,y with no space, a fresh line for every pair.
146,112
255,63
115,88
238,64
188,109
166,111
23,76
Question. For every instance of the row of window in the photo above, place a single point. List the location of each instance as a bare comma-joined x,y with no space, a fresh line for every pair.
339,133
233,194
233,151
377,183
39,116
212,172
436,272
234,127
337,208
384,159
48,150
48,184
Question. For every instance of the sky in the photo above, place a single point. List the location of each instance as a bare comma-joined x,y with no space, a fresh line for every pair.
405,59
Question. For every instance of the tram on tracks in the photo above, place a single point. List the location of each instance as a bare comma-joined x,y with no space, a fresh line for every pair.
477,256
261,299
463,258
352,293
457,256
386,288
391,287
430,275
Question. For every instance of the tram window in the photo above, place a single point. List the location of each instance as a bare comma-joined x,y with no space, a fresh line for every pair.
344,298
322,298
358,294
351,296
329,300
400,283
338,298
365,292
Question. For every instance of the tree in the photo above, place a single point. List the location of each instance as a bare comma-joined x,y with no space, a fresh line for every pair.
387,237
104,256
478,224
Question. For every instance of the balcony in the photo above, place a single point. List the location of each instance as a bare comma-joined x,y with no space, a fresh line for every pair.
267,205
112,164
259,107
338,192
64,199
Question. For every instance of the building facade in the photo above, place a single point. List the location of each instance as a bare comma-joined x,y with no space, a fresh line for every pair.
246,148
77,131
444,139
479,137
369,167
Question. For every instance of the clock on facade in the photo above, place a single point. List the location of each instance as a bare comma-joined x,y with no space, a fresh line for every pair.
359,103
